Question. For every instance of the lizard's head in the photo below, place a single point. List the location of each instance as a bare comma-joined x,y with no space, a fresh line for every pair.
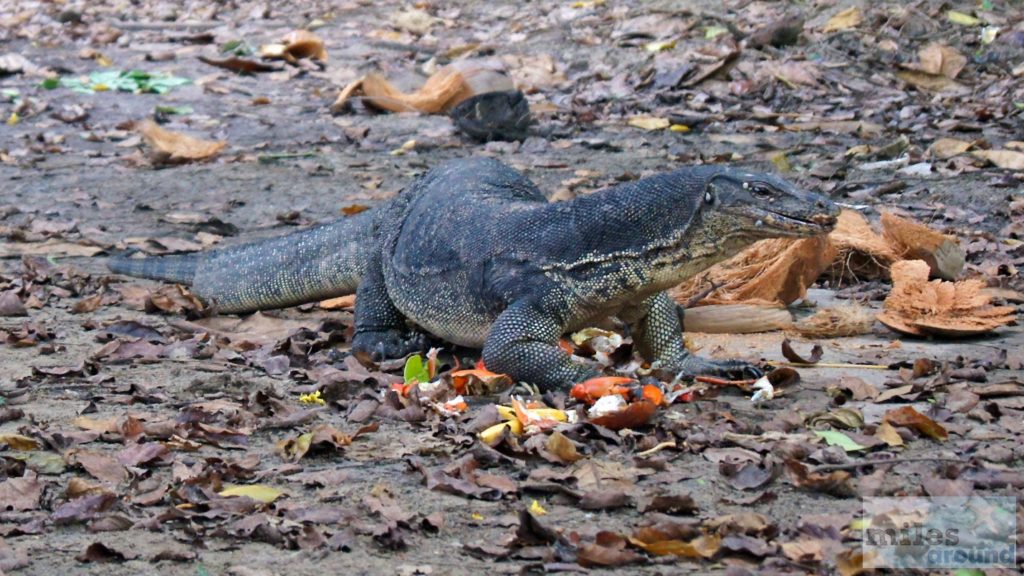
757,205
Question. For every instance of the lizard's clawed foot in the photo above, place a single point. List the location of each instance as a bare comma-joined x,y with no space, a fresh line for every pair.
380,345
730,369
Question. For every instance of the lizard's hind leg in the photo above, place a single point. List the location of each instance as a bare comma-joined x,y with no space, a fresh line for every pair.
381,330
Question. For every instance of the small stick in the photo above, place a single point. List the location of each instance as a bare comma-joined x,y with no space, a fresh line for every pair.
167,25
881,461
703,293
828,365
656,449
723,381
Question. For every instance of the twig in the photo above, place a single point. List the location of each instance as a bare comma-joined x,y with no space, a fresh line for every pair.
703,293
828,365
168,25
657,448
881,461
722,381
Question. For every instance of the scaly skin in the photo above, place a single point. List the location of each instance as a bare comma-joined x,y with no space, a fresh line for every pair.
473,253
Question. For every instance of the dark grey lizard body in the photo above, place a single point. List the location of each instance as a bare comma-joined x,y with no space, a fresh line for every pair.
473,253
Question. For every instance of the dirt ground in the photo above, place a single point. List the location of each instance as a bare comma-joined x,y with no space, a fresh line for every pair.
123,415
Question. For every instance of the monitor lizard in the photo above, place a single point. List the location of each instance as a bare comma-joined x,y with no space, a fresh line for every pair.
472,252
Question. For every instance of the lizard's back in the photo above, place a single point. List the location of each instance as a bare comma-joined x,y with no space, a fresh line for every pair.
458,244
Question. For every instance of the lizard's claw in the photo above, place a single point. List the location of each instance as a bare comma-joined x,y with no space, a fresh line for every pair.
385,344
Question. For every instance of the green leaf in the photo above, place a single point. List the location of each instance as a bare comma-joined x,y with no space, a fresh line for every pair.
42,462
986,5
50,83
138,81
416,370
236,48
836,438
968,572
11,94
714,32
179,110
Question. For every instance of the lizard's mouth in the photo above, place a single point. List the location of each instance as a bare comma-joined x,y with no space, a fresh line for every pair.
812,226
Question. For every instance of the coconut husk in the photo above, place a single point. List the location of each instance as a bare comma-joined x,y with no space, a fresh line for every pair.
845,320
862,253
920,307
913,241
438,95
773,270
737,318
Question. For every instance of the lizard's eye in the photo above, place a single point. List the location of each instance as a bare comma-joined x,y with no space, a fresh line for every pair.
760,191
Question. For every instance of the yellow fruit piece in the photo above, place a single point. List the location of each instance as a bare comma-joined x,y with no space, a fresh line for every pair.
509,413
962,19
660,46
649,122
492,434
313,398
259,492
536,509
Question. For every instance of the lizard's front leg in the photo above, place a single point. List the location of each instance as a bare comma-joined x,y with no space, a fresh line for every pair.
523,343
658,337
381,330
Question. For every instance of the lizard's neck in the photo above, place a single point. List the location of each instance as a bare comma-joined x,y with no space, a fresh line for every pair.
649,231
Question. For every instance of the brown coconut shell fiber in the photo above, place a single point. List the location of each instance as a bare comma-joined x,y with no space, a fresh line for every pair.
921,307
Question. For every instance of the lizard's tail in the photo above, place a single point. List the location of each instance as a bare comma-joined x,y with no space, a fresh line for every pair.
176,268
321,262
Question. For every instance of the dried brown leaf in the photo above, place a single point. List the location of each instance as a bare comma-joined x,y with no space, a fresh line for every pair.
48,248
787,351
907,417
945,148
439,94
1006,159
939,59
844,20
304,44
101,466
173,147
21,493
240,65
561,447
929,82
